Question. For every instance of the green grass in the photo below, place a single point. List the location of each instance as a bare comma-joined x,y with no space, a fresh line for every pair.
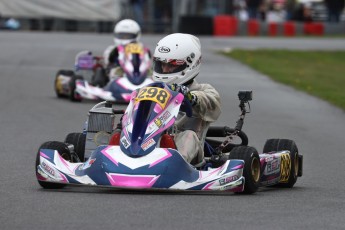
319,73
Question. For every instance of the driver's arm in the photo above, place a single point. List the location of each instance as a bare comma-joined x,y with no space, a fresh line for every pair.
208,106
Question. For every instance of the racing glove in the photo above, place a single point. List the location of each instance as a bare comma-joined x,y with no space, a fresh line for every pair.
185,91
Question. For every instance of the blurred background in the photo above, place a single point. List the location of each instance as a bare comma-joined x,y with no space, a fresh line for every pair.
193,16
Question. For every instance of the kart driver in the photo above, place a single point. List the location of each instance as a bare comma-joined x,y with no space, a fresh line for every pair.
177,61
125,31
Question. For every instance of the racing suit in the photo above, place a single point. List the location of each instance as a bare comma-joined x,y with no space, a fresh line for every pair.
110,55
191,131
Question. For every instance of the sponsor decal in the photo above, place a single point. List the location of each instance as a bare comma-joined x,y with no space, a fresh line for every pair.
158,122
152,127
162,119
165,116
125,119
272,166
85,62
125,142
227,180
148,144
163,49
48,169
87,164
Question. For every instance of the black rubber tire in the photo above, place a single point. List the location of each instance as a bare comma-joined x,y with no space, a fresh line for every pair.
65,73
65,153
72,87
251,166
78,140
100,78
273,145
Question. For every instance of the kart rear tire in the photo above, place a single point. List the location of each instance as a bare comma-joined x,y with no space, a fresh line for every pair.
78,140
69,73
73,96
273,145
100,78
65,153
251,170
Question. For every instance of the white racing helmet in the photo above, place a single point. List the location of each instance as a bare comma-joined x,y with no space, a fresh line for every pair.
126,31
180,50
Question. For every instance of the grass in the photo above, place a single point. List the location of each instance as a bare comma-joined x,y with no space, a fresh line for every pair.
319,73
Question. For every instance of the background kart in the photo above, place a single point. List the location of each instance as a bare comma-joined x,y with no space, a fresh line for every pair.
139,152
92,81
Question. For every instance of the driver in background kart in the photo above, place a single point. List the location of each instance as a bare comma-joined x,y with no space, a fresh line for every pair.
177,61
125,31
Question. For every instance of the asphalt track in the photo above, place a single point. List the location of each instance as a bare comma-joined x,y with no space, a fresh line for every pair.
31,114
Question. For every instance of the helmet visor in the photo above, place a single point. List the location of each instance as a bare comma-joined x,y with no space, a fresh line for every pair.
125,35
168,66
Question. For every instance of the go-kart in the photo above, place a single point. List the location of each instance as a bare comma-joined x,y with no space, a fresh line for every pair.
139,153
92,81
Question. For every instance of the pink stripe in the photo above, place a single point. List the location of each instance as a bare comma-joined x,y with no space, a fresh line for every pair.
62,160
238,167
212,172
179,98
120,84
161,159
104,151
126,97
64,178
207,187
44,155
77,166
39,177
65,163
132,181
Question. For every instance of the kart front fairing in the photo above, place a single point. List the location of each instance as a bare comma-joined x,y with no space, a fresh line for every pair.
161,169
151,111
135,61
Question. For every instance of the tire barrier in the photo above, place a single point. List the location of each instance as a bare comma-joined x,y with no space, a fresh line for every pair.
273,29
224,25
289,29
253,27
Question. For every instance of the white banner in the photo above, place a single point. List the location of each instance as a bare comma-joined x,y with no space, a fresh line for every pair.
67,9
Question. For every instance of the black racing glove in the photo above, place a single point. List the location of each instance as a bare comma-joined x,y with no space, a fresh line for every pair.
185,91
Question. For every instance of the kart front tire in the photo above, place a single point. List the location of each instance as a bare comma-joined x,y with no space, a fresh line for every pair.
64,152
57,84
78,140
251,170
73,96
273,145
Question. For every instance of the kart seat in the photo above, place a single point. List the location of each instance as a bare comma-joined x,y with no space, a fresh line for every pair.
167,141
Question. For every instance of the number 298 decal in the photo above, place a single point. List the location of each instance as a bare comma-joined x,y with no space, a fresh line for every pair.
158,95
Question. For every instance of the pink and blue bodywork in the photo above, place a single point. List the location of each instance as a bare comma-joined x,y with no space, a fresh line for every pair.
138,162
